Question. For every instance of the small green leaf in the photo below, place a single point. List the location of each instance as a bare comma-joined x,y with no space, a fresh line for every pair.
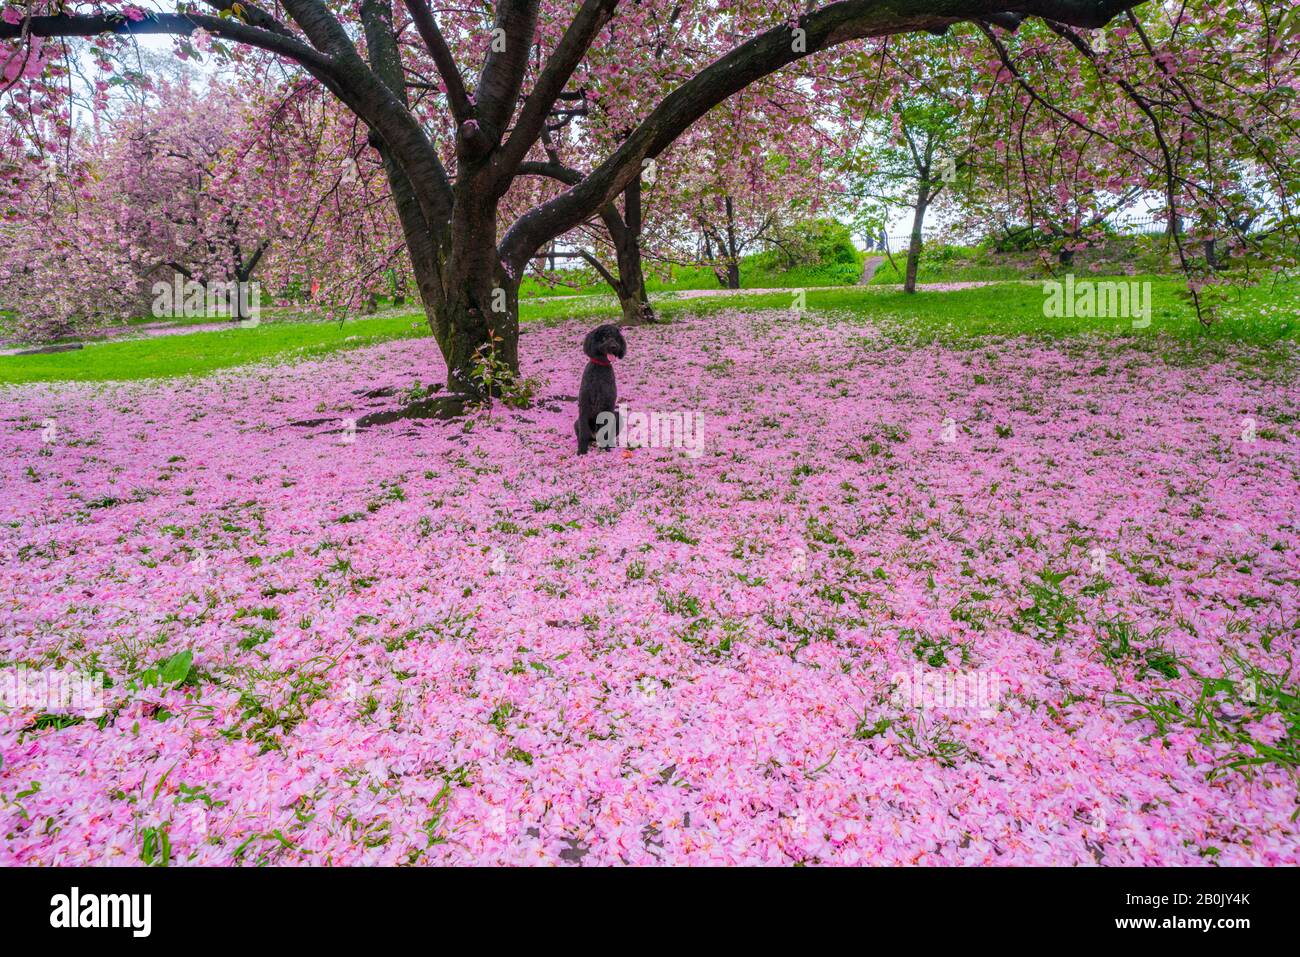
177,668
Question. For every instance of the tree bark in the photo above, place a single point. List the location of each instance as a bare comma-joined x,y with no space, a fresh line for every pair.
914,246
470,300
625,235
243,276
733,254
631,274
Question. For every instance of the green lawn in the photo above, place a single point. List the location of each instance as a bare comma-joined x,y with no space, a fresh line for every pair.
199,353
1261,314
1267,315
754,274
891,271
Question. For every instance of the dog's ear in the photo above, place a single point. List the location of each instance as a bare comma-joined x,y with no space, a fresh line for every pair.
589,344
620,344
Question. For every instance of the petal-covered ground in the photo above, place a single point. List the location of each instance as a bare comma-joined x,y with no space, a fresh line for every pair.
1028,602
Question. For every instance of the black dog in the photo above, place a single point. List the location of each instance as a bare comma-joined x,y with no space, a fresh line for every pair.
598,392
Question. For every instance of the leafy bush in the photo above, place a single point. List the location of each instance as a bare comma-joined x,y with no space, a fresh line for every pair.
1020,239
811,242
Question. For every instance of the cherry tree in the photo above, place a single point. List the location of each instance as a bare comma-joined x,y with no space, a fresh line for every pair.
1193,106
63,266
916,153
1045,183
456,100
452,155
322,194
160,182
211,183
750,169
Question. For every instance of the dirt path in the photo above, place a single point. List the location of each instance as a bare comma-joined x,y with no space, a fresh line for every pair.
869,267
148,330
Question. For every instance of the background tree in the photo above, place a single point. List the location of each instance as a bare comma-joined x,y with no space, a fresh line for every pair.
914,152
1193,104
451,158
452,147
738,181
1041,181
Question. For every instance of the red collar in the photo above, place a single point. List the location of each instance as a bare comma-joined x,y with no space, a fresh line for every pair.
601,362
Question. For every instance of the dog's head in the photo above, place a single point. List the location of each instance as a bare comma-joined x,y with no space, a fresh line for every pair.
604,340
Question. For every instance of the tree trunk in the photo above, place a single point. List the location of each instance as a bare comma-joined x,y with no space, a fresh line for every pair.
914,247
244,276
479,323
631,275
237,307
733,254
471,302
631,286
709,257
635,311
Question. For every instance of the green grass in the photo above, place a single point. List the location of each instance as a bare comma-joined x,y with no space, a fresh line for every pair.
1261,314
1267,316
199,353
939,263
754,274
890,273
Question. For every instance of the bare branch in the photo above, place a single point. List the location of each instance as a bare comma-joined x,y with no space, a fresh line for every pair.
550,85
427,27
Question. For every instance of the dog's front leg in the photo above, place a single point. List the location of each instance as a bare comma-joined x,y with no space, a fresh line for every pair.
610,441
583,430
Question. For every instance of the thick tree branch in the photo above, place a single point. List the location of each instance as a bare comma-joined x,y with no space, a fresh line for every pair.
760,56
503,69
176,24
550,84
322,28
427,27
386,62
252,15
609,213
381,104
596,264
556,171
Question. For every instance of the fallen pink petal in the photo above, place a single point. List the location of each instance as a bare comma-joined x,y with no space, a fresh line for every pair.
441,643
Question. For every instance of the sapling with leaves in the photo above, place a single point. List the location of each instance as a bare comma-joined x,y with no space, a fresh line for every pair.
911,157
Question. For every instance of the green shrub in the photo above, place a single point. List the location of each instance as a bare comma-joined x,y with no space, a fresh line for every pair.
811,242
